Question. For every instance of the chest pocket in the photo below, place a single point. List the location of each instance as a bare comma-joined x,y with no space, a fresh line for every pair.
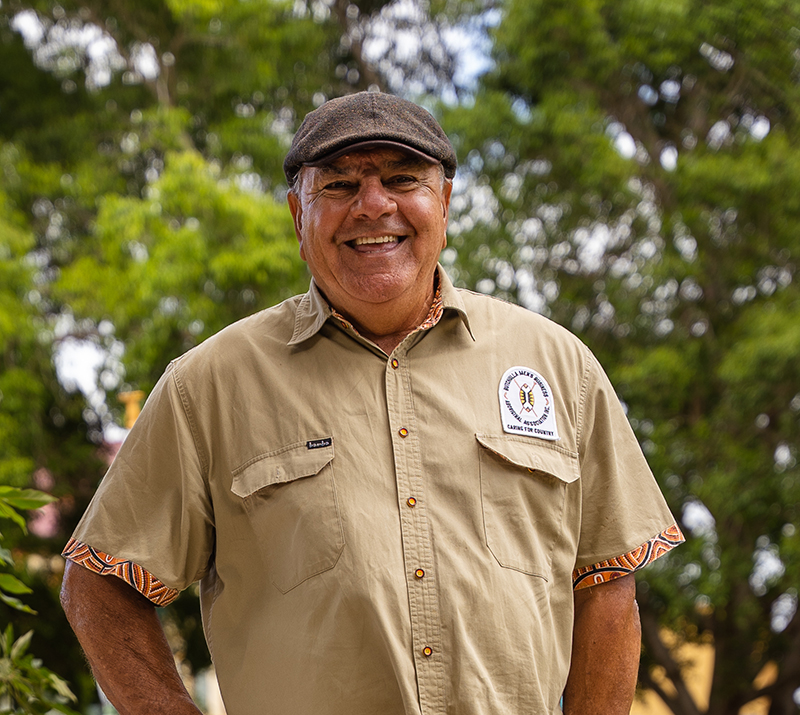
290,499
523,492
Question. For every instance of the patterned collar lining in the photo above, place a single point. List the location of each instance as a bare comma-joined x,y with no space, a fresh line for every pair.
433,317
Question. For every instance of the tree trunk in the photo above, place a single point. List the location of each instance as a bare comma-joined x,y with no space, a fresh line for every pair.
683,703
783,702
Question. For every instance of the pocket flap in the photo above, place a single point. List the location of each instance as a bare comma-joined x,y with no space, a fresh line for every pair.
534,456
303,459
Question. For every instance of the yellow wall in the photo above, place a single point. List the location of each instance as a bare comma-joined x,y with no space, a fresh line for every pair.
698,680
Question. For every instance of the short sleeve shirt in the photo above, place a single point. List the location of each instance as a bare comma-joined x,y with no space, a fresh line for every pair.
383,534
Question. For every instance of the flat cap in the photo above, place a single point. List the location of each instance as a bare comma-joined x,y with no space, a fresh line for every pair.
363,120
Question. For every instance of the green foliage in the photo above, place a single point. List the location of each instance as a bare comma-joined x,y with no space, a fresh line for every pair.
12,500
26,686
167,270
629,168
19,390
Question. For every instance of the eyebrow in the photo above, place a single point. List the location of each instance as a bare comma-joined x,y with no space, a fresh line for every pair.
330,170
407,162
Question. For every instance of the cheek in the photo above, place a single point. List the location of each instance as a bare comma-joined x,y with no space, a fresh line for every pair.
320,226
309,236
315,245
426,209
431,220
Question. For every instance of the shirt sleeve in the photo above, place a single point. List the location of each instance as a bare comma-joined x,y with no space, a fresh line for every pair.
634,560
151,519
133,574
625,521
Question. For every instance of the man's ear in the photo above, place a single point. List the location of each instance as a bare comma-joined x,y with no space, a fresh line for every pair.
296,209
447,189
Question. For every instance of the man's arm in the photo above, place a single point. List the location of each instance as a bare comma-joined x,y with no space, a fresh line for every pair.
124,643
606,643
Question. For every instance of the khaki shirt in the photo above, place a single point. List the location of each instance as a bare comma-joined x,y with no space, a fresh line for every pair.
367,535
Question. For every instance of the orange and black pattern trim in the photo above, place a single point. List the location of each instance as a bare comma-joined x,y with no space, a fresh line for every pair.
434,314
134,575
630,562
436,311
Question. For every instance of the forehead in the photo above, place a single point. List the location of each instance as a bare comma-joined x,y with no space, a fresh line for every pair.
372,160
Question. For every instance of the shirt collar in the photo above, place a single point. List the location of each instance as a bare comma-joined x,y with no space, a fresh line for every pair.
451,299
313,310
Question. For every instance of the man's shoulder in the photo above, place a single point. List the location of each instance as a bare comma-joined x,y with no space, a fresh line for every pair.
502,318
267,331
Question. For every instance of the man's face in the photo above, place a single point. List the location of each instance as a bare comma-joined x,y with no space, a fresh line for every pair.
371,226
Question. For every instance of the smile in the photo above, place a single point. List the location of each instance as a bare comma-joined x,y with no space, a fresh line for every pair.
370,240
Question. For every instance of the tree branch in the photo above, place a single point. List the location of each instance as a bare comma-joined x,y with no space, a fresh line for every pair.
368,75
670,701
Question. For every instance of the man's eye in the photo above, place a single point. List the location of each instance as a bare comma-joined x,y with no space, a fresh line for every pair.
334,185
402,179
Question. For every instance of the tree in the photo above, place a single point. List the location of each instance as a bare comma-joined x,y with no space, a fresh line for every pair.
42,430
631,169
628,168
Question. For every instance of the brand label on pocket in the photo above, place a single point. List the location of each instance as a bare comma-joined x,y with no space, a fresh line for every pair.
319,443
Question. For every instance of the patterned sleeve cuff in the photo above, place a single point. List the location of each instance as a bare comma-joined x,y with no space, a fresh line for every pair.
133,574
628,563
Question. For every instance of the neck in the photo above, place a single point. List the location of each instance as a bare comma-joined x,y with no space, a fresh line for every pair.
387,326
389,341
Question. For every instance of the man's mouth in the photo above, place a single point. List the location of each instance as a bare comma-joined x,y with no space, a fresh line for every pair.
375,240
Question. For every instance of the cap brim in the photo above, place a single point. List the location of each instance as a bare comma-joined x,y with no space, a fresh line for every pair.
371,144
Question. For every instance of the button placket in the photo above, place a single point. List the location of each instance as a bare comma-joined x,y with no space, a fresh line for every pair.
423,598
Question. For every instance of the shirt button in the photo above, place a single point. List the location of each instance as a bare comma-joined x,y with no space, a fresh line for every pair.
419,573
427,651
395,363
403,432
411,502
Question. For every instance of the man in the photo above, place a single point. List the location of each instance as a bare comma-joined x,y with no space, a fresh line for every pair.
398,497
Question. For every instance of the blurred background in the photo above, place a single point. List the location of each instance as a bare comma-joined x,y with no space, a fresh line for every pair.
629,168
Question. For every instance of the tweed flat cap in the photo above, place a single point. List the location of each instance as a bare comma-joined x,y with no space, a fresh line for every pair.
364,120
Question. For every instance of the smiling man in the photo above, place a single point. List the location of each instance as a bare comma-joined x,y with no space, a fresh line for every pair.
398,497
371,225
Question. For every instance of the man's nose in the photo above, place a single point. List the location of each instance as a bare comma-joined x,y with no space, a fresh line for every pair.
373,200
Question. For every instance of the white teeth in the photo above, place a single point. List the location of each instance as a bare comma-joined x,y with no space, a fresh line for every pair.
375,239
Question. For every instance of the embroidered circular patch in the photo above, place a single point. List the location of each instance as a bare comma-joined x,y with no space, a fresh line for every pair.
526,404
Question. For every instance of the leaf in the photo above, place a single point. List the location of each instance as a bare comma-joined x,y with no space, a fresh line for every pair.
8,638
16,603
11,584
8,513
25,498
61,687
21,645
